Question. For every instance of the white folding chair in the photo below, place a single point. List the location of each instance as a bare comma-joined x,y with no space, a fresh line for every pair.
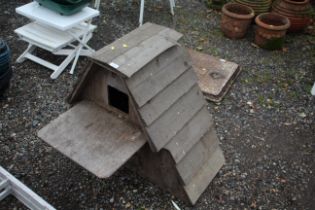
172,5
97,4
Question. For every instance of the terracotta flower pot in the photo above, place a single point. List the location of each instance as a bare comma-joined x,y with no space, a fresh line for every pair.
236,19
259,6
271,30
298,12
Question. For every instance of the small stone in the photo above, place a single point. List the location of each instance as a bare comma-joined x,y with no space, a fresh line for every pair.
111,200
128,205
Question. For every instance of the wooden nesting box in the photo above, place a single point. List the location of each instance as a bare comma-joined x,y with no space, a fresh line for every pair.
141,89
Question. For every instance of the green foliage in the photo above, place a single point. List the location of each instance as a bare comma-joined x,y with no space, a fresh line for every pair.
215,4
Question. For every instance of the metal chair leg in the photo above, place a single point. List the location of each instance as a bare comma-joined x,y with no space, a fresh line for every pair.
172,4
141,13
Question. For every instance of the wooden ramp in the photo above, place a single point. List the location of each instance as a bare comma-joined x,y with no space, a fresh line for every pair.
96,139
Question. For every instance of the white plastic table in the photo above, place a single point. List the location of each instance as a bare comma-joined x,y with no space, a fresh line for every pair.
61,35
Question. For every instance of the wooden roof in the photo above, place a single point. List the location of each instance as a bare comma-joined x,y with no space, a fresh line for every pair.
130,53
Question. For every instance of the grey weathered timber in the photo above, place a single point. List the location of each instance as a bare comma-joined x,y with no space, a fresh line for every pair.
160,169
156,65
190,165
167,97
9,185
75,95
203,178
158,81
140,98
137,57
190,134
96,139
174,119
122,45
215,75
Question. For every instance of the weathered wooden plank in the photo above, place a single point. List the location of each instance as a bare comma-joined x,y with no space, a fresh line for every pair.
156,65
160,80
125,43
201,181
139,56
215,75
193,131
75,95
190,165
161,102
96,139
170,34
175,118
132,39
96,87
160,169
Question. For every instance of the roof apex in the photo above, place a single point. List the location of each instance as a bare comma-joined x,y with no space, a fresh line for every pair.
132,52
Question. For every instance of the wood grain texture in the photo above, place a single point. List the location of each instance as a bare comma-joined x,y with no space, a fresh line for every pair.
160,62
160,169
175,118
200,182
94,138
159,80
193,161
163,100
132,39
76,93
190,134
215,75
139,56
125,46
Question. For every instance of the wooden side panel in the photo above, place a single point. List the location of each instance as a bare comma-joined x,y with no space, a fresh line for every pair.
200,182
96,87
175,118
193,131
96,139
136,58
158,81
161,102
191,164
160,169
76,94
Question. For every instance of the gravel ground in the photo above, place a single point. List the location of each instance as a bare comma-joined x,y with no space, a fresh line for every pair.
265,123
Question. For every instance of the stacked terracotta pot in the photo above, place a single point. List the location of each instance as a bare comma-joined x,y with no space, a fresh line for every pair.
259,6
236,19
271,30
298,11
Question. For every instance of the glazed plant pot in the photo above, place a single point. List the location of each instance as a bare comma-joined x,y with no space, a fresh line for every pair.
298,11
271,30
5,67
259,6
5,81
236,19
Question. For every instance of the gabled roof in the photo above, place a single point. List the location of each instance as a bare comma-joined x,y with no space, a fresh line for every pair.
130,53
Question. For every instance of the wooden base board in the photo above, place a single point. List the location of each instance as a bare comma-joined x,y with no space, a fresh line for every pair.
215,75
96,139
